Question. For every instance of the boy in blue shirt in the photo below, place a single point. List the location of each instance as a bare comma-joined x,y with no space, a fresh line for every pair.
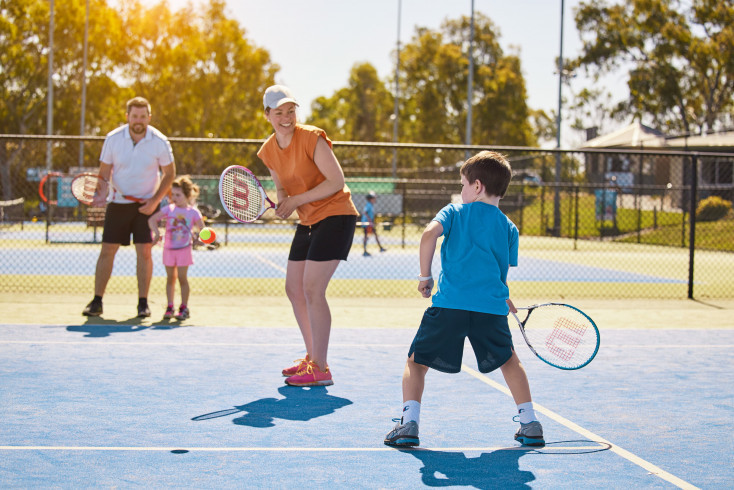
472,299
368,218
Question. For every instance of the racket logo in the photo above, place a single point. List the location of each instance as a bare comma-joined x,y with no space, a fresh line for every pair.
565,338
237,192
89,188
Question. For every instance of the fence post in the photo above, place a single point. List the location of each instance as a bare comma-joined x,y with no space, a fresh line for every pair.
692,227
522,204
576,217
405,205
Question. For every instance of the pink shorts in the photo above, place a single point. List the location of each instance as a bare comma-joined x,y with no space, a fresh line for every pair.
177,258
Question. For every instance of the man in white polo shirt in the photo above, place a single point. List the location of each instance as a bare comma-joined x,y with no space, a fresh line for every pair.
137,159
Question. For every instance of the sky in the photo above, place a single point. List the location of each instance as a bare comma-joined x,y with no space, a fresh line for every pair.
316,43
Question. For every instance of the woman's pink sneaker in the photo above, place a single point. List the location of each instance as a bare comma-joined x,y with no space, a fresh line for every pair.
311,376
299,366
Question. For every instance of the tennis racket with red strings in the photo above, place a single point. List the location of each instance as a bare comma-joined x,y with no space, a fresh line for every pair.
242,195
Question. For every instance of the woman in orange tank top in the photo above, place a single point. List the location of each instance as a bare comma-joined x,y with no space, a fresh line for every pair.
309,181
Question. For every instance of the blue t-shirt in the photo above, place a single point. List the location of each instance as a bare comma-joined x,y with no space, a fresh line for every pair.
368,215
479,246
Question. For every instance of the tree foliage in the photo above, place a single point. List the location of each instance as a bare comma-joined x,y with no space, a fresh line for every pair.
202,75
434,72
433,90
682,76
361,111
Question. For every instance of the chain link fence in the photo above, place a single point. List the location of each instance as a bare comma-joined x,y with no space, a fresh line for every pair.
615,224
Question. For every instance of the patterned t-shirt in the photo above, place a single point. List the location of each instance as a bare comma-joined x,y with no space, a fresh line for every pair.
178,225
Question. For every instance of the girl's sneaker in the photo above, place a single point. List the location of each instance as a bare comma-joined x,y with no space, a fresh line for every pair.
183,313
169,313
300,365
311,376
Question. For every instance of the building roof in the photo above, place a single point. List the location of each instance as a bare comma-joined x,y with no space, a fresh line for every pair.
719,141
635,135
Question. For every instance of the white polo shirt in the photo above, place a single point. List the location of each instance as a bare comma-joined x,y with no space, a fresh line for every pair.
135,167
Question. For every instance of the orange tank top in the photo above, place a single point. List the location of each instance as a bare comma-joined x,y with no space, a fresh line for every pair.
298,173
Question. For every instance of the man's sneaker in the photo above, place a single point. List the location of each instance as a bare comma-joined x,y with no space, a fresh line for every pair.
143,311
183,313
300,365
93,309
366,254
311,375
383,249
403,435
530,434
169,313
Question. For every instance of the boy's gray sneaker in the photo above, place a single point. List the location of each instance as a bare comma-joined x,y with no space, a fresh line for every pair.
403,435
530,434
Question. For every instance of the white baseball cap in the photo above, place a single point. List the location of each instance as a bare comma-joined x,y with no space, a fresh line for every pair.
277,95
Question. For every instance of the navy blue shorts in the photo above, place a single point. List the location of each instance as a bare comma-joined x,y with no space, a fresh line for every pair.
439,343
123,220
329,239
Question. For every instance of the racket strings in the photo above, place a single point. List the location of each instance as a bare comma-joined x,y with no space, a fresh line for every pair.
241,195
561,335
565,338
84,187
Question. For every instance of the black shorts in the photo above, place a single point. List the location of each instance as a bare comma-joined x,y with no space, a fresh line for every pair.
439,343
122,220
329,239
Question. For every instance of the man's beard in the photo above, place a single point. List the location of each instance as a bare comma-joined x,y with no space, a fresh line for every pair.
138,128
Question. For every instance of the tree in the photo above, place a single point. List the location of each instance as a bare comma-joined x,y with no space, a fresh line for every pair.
682,76
361,111
434,72
24,41
199,70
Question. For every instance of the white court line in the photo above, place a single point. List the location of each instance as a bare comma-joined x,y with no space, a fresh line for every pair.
269,262
334,344
184,344
294,449
659,472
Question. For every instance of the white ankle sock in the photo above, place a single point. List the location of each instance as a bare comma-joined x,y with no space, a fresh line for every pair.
526,413
411,412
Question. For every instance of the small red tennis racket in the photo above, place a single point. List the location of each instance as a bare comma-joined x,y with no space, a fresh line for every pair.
91,189
46,189
242,195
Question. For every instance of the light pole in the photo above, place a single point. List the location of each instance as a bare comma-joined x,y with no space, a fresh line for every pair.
50,88
84,86
397,98
470,85
557,194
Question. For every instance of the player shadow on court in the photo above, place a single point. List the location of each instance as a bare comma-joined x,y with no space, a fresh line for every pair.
299,404
497,469
98,327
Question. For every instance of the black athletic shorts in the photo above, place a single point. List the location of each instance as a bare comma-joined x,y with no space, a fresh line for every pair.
439,342
122,220
329,239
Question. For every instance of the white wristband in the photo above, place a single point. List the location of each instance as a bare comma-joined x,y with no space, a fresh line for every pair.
424,278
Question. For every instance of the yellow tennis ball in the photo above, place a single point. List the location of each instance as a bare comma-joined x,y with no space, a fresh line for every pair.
207,235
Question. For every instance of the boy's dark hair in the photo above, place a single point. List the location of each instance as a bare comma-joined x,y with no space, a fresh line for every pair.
491,169
138,102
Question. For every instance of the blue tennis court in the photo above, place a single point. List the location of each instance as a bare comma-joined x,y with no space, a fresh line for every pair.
270,263
91,405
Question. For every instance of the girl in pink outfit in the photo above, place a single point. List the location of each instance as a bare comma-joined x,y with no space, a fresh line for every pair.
182,219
